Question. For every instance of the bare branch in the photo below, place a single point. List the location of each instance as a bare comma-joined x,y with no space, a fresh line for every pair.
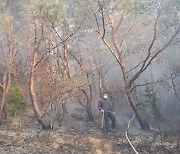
129,30
142,46
120,22
90,88
149,52
150,57
81,101
77,60
161,50
115,30
174,87
177,84
145,84
112,51
97,22
103,21
61,42
115,38
85,93
3,53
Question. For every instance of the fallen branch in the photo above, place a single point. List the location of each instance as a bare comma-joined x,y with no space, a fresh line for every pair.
127,129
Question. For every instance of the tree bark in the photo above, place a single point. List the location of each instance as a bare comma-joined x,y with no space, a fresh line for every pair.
9,60
100,81
33,64
137,109
133,102
67,72
5,87
89,112
34,99
90,115
33,92
88,105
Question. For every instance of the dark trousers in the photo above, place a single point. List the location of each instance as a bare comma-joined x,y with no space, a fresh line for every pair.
107,116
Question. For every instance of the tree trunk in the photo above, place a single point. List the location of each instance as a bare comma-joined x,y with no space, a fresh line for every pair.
9,64
133,102
136,106
137,109
33,93
5,87
100,81
89,112
34,62
88,105
67,72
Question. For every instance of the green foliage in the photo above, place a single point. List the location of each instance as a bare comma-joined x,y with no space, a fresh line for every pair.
17,104
151,98
138,7
3,5
73,81
170,11
5,18
169,5
67,82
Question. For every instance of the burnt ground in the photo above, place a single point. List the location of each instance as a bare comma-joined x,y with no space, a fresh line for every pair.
80,137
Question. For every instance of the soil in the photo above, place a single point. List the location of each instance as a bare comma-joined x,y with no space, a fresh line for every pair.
77,136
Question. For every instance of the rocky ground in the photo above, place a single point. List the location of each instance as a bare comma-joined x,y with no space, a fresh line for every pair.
80,137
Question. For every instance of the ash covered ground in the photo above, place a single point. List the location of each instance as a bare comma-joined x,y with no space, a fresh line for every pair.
78,136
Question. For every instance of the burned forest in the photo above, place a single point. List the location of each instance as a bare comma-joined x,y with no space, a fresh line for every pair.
90,76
